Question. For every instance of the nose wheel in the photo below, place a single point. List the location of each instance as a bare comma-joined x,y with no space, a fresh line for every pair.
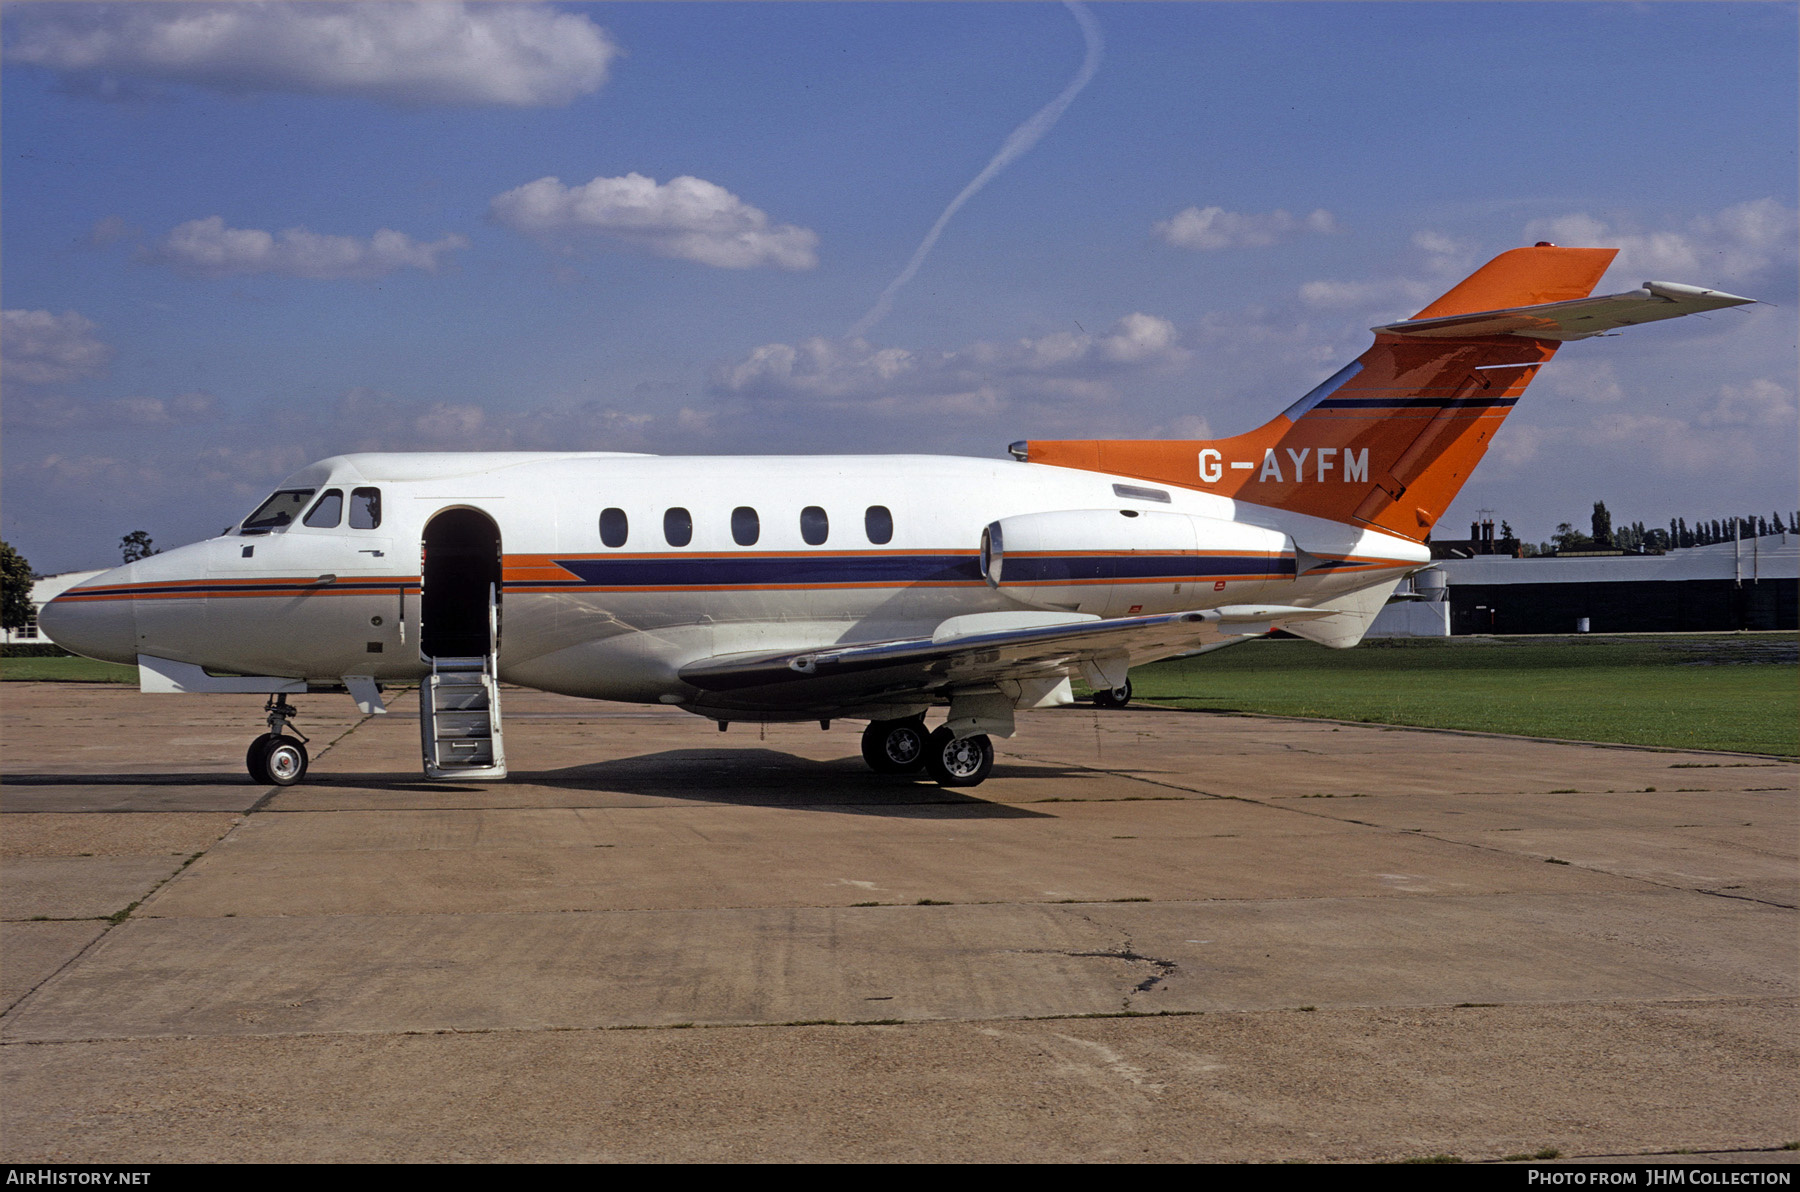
276,758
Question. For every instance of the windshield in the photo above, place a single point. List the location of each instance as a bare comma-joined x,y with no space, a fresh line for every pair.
278,511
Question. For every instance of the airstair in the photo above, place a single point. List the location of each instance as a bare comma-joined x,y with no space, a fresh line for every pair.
459,712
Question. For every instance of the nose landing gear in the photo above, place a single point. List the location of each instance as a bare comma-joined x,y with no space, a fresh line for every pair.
276,758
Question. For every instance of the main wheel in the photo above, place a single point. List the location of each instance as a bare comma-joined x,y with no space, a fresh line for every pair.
256,759
1118,697
286,761
958,763
895,746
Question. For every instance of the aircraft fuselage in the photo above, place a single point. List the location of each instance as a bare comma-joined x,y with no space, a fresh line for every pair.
714,557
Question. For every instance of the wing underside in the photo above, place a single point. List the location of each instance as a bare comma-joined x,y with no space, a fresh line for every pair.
877,673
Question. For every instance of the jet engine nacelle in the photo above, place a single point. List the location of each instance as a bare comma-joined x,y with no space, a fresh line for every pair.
1122,562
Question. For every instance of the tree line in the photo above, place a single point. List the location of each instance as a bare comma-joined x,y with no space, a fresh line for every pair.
1637,538
17,577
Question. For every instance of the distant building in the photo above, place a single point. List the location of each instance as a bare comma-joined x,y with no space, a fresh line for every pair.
1481,541
1753,583
1419,607
43,591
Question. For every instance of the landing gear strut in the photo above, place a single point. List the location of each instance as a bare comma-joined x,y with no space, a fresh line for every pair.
276,757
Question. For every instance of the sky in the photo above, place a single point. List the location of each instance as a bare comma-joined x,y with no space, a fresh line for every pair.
238,238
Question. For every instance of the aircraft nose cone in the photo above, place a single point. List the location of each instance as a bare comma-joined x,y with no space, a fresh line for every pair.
94,619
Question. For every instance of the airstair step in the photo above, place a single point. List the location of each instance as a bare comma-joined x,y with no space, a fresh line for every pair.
461,724
459,720
460,699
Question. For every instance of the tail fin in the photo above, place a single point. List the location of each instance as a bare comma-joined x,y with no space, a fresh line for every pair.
1389,440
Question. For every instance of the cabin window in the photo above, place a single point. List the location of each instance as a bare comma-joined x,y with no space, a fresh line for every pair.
365,508
678,527
878,524
328,511
615,527
278,512
815,527
746,527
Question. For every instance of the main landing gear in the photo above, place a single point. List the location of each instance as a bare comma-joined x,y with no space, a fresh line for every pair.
895,746
906,747
1117,697
276,757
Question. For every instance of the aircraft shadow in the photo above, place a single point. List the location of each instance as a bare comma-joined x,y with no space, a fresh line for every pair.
212,778
740,777
745,778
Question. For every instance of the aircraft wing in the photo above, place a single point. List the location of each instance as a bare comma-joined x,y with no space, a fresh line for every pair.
1576,319
972,653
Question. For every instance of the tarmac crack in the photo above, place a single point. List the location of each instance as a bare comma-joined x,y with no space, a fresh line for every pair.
1786,906
1161,969
1128,954
114,921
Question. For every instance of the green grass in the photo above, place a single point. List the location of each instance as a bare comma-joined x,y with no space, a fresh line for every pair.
1703,691
65,670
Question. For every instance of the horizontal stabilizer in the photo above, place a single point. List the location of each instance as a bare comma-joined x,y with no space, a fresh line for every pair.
1576,319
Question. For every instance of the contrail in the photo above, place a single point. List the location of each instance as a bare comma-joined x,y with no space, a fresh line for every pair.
1022,139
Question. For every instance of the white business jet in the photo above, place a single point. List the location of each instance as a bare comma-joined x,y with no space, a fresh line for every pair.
873,588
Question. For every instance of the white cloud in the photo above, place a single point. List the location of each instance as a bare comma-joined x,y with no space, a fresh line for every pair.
687,218
1388,293
1060,370
1206,228
1760,403
1727,249
43,412
507,55
1183,426
191,407
1585,379
1739,242
1444,260
207,248
366,419
40,348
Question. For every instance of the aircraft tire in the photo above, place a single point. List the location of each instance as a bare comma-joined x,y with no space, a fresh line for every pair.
286,761
895,746
1118,697
958,763
256,759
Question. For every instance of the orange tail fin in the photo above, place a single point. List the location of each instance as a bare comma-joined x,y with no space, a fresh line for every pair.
1390,439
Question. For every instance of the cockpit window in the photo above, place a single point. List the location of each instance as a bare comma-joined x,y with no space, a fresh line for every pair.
365,508
328,511
278,512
